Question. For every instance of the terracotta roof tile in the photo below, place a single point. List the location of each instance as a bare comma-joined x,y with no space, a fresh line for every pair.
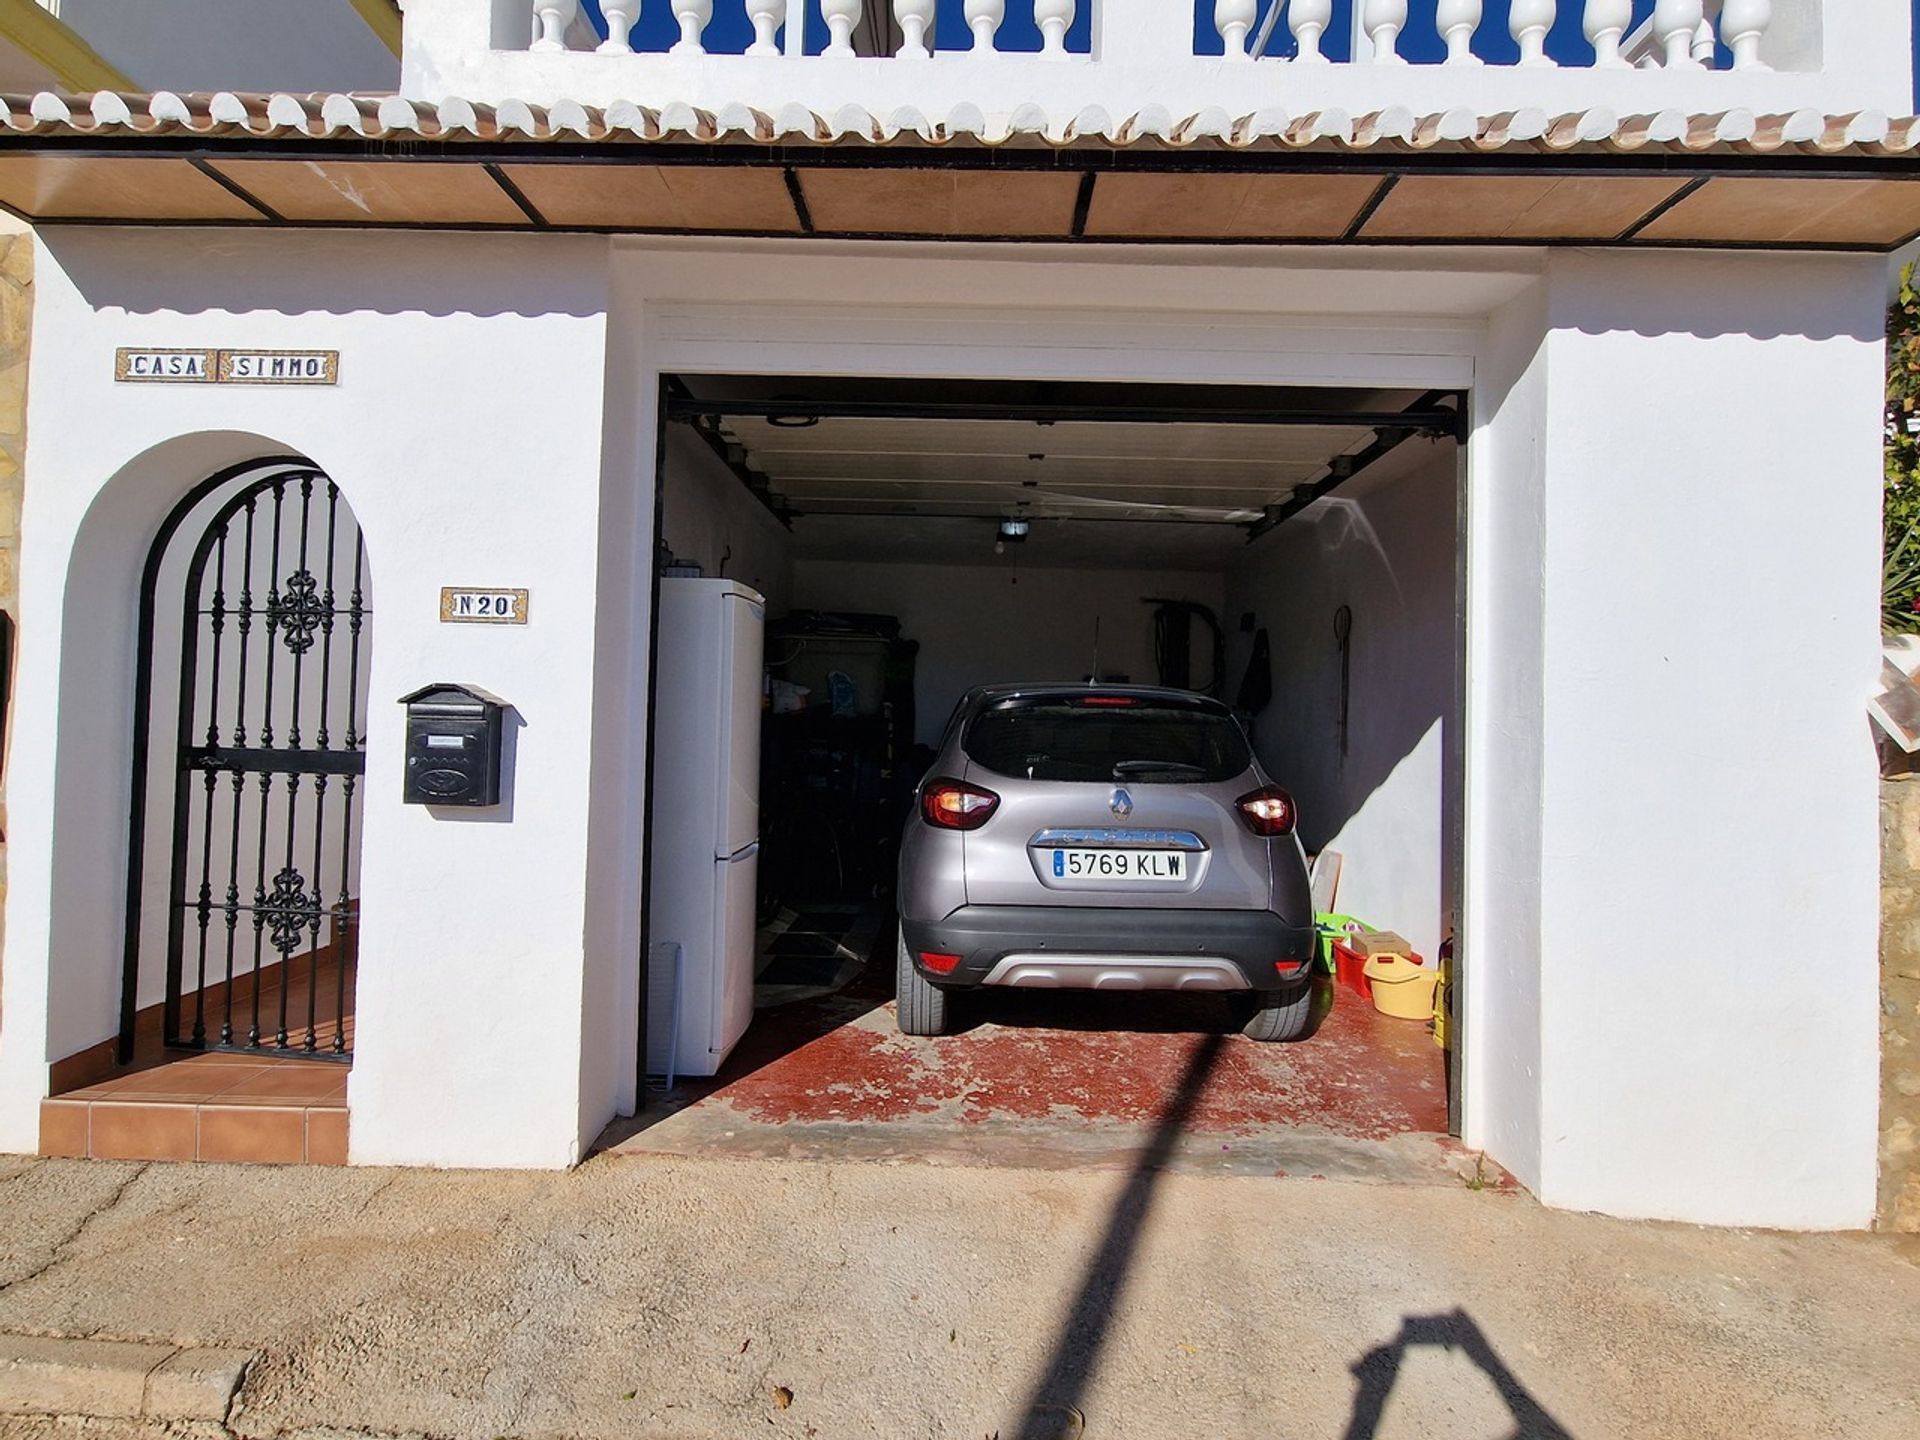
393,117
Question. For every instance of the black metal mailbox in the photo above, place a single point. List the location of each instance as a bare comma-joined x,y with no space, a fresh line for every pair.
453,746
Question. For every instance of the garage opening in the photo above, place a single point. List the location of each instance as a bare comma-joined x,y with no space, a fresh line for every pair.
843,562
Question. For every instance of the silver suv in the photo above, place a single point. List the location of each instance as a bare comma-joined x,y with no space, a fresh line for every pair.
1102,838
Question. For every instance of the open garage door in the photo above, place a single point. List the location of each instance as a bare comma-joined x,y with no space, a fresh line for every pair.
1290,556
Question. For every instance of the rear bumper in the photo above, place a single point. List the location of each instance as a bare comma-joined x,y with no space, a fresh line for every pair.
1074,947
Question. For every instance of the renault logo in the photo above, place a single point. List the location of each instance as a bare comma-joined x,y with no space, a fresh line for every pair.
1121,804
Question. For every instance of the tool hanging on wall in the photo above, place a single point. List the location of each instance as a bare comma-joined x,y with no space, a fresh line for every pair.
1343,636
1256,686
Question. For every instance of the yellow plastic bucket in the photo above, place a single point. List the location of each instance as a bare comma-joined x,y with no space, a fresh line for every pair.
1402,987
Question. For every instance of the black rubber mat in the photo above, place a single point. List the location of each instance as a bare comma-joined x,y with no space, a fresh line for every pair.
824,922
805,947
801,969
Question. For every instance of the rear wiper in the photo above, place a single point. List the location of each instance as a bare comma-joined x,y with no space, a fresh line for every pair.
1156,767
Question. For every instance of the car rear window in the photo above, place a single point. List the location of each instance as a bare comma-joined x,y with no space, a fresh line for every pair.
1107,738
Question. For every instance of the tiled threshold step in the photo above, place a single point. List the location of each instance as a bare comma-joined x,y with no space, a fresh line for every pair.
238,1109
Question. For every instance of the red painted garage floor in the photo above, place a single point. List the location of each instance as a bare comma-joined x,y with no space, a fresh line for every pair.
1065,1079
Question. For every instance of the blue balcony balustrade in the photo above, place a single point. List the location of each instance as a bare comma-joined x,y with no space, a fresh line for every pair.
1001,58
730,31
1492,32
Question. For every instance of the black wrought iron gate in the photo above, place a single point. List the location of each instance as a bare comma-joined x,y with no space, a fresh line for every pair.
269,750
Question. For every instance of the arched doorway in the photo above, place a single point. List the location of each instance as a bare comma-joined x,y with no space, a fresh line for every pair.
249,748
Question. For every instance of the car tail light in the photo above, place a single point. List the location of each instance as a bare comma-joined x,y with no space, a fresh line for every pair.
938,963
1268,811
1113,702
1289,967
955,805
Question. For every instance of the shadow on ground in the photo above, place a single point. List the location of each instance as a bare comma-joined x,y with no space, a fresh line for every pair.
1057,1395
1379,1369
1053,1409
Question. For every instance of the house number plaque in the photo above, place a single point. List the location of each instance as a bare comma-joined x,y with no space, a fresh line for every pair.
469,605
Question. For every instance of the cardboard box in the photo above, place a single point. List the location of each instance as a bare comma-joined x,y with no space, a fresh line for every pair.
1381,942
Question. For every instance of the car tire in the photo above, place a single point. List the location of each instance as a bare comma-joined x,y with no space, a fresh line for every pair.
923,1006
1280,1014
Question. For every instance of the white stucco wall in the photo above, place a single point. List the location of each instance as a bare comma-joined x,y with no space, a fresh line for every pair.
472,942
1710,634
186,45
609,999
994,624
1500,986
1383,546
1672,494
710,517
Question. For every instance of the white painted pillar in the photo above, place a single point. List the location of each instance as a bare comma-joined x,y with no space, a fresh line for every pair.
1142,32
1670,985
443,33
1709,901
1870,41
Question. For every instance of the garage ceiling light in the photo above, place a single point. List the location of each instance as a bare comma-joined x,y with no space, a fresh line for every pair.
1015,531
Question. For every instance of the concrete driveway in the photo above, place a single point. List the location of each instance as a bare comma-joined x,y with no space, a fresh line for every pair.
667,1296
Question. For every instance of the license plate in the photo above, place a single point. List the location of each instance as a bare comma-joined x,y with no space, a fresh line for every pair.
1162,866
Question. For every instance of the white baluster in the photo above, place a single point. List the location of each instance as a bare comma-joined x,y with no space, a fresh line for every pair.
916,27
765,16
1606,25
1309,19
1743,25
983,18
841,16
1055,18
1530,20
1674,24
1385,20
1459,22
1234,19
620,15
553,17
693,16
1705,46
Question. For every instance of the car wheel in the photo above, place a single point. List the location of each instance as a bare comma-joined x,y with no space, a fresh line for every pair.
922,1005
1280,1014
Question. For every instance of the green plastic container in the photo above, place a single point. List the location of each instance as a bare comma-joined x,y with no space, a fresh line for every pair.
1331,928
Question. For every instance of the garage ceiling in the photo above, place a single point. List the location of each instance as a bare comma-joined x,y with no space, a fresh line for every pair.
1167,477
1226,473
1053,545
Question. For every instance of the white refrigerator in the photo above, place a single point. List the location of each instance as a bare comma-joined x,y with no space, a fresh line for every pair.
706,819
